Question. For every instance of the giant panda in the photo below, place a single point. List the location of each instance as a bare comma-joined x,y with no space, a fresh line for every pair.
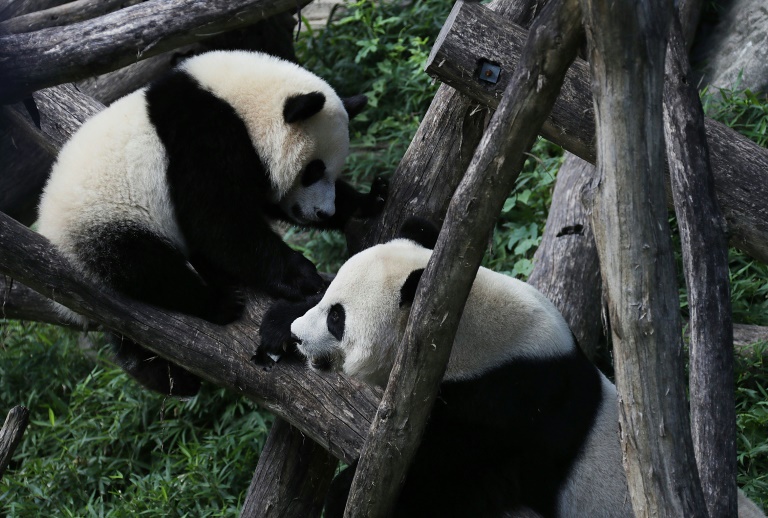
168,195
522,418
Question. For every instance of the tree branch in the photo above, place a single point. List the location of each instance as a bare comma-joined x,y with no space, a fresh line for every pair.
396,431
65,14
47,57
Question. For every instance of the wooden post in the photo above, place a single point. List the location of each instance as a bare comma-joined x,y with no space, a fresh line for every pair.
627,47
705,260
423,353
292,477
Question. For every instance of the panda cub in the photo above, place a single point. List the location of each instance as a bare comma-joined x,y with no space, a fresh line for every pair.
522,418
168,195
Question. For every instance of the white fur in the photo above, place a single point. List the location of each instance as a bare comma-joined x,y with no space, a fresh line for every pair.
368,286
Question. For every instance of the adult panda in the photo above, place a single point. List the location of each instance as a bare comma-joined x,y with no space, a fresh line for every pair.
522,418
168,195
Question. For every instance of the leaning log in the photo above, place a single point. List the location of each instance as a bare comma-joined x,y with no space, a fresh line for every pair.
65,14
740,166
705,265
399,423
57,55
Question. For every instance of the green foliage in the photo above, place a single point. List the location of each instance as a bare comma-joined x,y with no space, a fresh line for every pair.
741,110
752,424
100,445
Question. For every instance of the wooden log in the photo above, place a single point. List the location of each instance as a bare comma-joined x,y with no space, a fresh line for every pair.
566,267
11,433
276,490
740,166
65,14
705,264
57,55
330,409
399,423
20,7
626,53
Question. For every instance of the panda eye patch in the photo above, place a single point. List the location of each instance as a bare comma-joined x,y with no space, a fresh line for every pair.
314,171
335,321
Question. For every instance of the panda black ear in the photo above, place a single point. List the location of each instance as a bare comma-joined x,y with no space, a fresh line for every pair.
408,290
421,231
354,105
303,106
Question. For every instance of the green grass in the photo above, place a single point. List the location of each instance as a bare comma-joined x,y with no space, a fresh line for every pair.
100,445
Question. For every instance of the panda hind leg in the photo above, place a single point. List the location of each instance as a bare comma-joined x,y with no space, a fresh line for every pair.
152,371
137,262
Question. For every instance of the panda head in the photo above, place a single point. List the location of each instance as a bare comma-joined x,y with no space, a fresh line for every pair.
359,322
297,124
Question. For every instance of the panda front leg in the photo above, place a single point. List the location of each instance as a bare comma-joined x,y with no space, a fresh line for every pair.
351,203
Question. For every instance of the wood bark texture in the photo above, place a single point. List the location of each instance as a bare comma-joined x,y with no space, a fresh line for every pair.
20,7
333,410
705,264
627,46
423,353
292,477
56,55
70,12
740,166
11,433
566,266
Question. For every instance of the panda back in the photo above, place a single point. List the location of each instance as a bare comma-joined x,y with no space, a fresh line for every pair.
112,169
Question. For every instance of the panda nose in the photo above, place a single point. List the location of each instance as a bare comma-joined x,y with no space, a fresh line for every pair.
295,340
321,214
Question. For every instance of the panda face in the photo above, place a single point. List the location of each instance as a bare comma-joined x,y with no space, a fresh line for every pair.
297,124
359,322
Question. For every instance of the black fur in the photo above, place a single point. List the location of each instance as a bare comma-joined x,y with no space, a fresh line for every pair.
302,107
336,321
355,104
420,231
408,289
492,444
220,192
275,331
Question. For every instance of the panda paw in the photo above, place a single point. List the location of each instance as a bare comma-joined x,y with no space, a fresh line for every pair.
300,279
376,198
224,305
275,332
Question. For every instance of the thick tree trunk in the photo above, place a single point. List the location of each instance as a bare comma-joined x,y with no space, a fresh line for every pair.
740,166
292,477
627,46
48,57
399,423
705,260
